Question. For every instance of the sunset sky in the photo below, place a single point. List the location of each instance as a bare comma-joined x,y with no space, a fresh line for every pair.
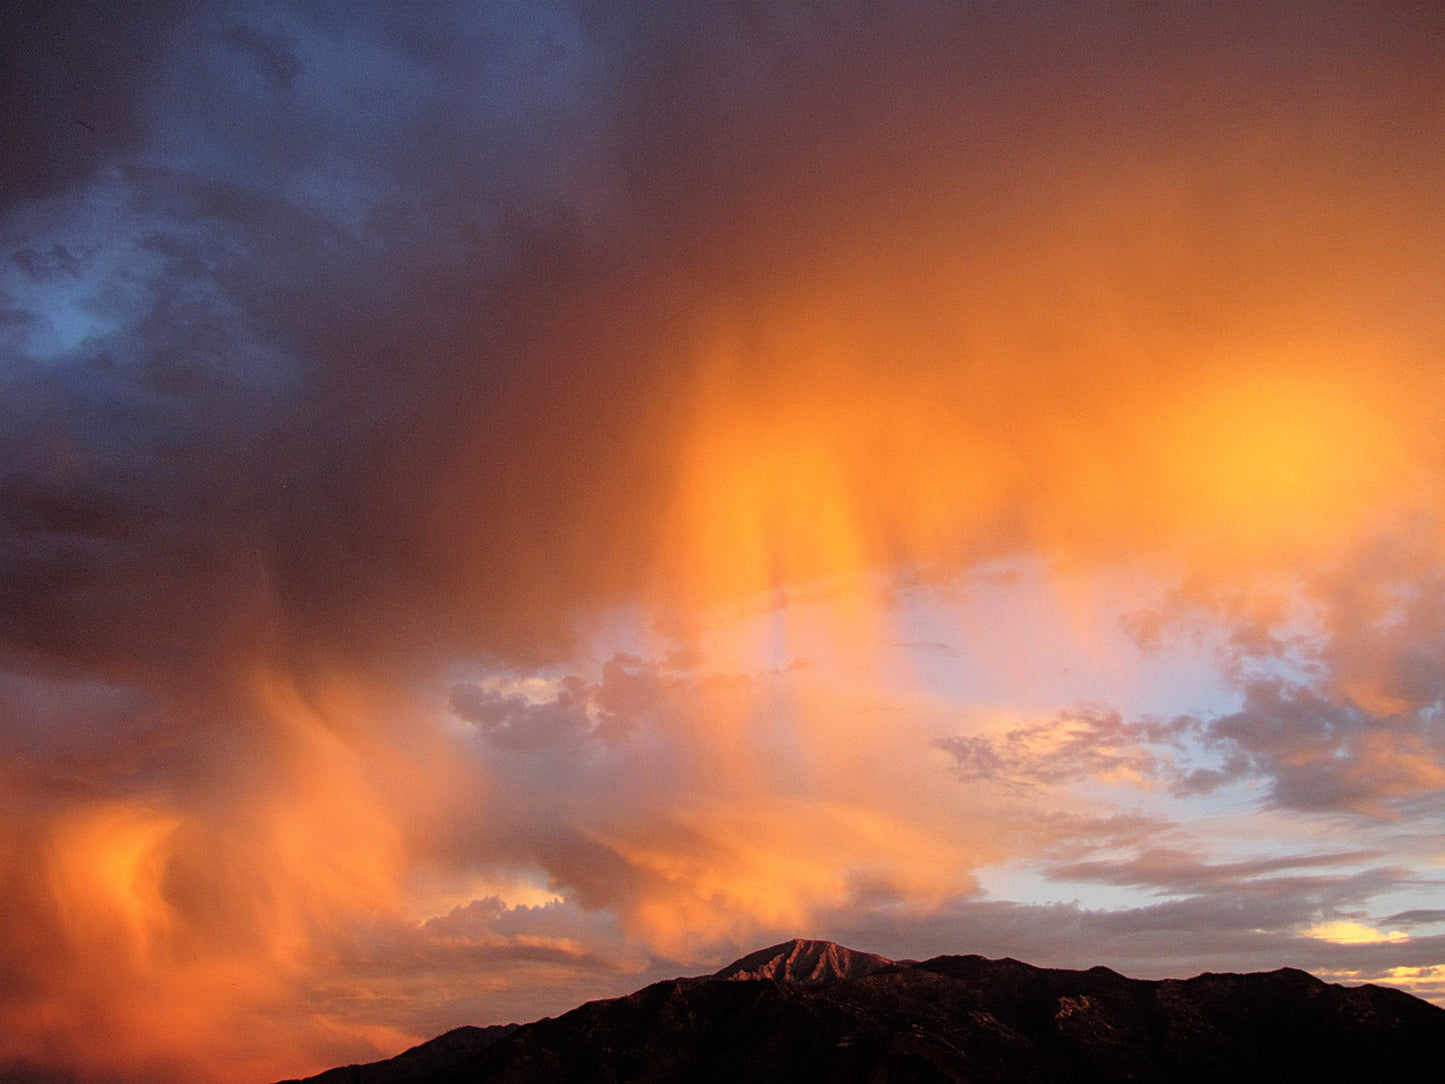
503,502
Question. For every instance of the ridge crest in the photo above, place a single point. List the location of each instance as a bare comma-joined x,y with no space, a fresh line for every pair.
800,960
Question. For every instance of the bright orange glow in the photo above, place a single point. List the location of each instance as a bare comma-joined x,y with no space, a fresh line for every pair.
183,929
1280,455
107,870
742,866
828,445
1353,933
807,464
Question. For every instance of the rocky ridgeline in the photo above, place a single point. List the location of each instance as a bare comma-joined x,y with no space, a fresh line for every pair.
813,962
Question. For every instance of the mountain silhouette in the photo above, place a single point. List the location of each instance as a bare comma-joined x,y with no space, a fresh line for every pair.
816,1011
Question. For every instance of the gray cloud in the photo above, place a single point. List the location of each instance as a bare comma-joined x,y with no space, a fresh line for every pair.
1342,695
609,709
1172,871
274,55
513,721
1416,918
1321,753
1166,940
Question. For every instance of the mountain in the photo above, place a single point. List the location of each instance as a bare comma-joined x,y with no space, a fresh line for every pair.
812,1010
812,962
422,1064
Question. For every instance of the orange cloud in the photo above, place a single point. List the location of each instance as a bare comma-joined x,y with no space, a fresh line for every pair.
172,933
1354,933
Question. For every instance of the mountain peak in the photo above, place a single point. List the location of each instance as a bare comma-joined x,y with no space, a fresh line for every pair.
811,962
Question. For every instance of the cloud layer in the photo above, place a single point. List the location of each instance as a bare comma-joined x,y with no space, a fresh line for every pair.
473,481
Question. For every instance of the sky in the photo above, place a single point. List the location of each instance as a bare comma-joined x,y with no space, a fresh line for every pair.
501,503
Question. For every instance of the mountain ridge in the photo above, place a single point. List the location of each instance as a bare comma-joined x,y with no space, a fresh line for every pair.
803,960
813,1010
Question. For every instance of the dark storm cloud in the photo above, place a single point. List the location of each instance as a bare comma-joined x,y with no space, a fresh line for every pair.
272,321
369,313
274,55
72,76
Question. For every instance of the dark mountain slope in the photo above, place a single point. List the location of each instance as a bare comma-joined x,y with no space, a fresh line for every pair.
963,1018
422,1063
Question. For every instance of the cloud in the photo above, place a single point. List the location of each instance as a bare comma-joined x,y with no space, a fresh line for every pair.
1323,754
1073,746
514,721
64,65
273,55
1316,754
1171,871
359,366
1416,918
1166,940
338,339
575,710
1339,690
1354,933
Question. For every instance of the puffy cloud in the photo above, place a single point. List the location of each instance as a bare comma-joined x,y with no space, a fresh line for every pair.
1073,746
1322,754
629,690
514,721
